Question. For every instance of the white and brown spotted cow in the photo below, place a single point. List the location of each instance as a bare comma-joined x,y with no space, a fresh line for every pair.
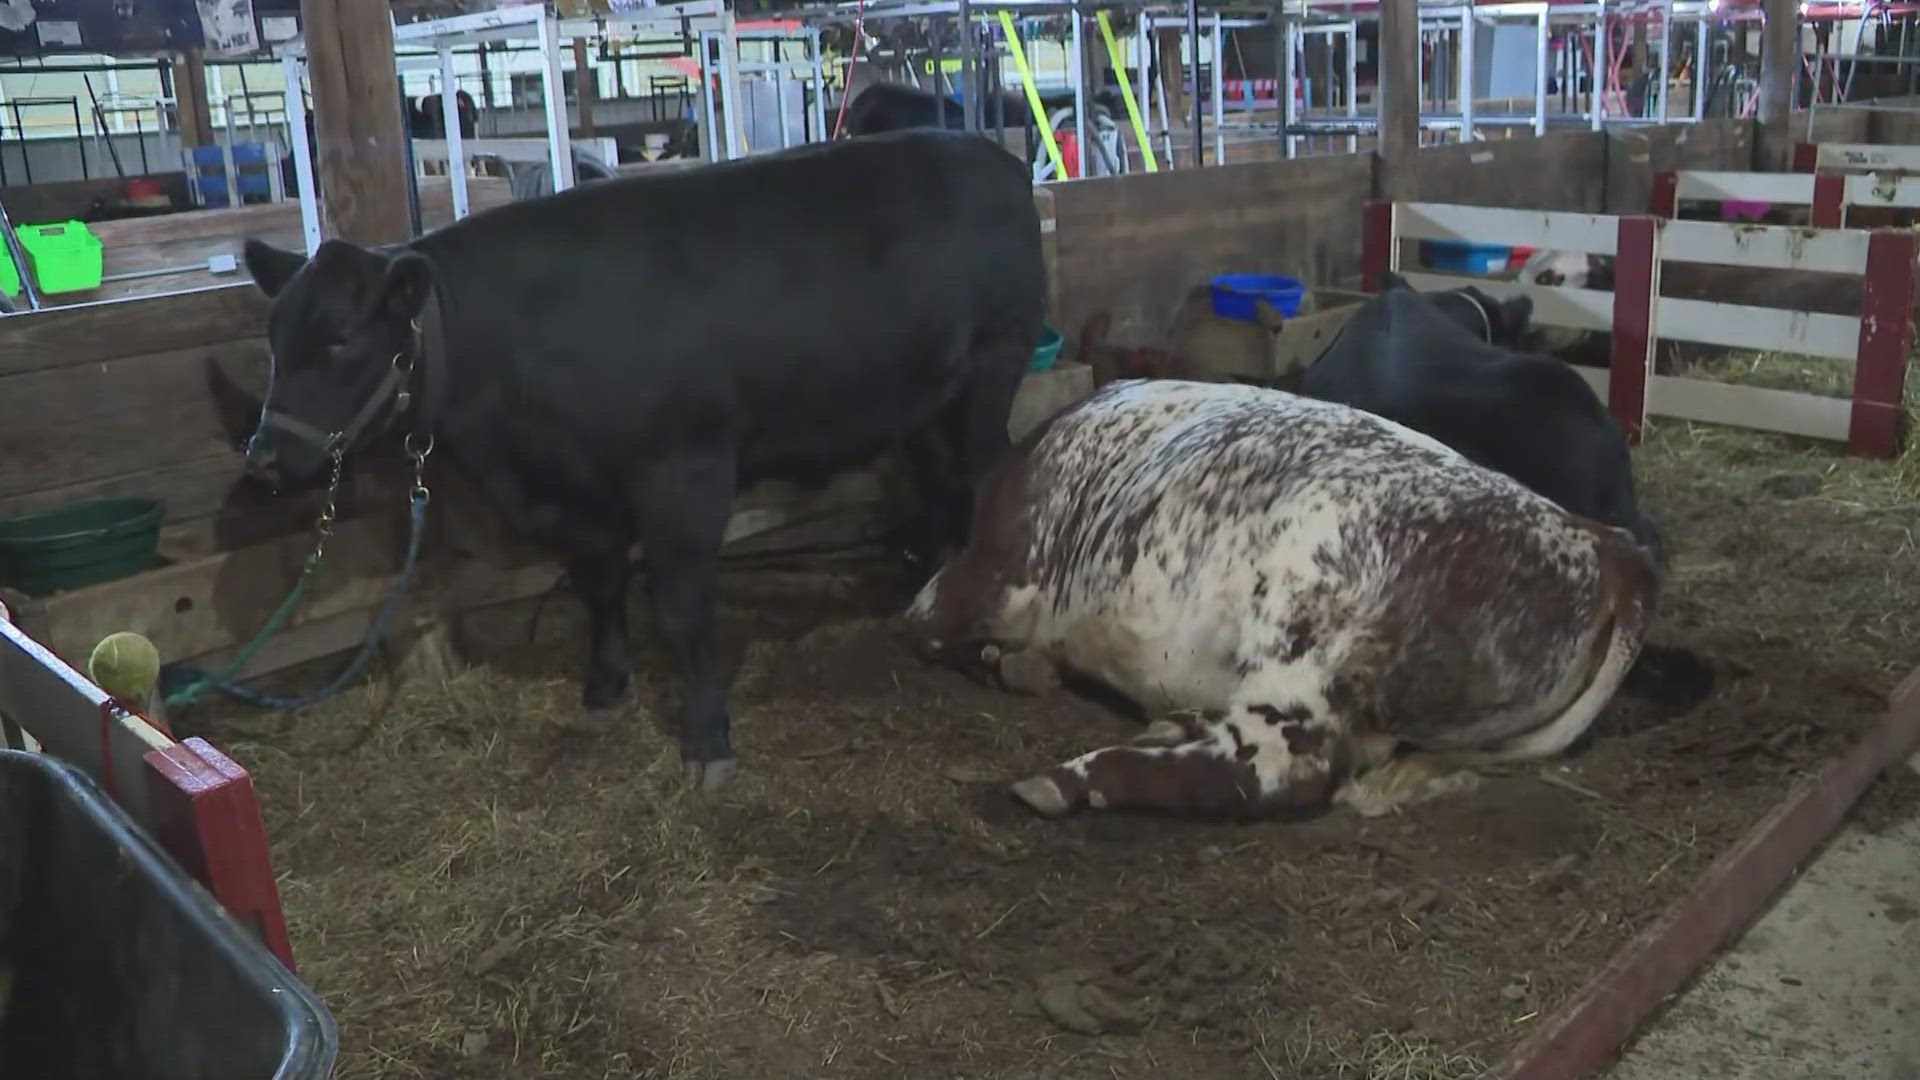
1305,587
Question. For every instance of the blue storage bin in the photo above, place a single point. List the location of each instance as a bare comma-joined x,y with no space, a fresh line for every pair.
250,164
1234,295
1465,258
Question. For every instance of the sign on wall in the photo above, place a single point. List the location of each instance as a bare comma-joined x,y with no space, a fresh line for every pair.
228,27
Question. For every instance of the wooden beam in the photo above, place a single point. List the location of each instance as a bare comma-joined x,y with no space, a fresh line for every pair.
1399,146
1779,58
586,88
356,109
191,109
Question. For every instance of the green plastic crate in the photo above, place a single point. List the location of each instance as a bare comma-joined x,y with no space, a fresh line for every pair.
66,256
9,277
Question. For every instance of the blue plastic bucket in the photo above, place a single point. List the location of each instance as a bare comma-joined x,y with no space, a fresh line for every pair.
1234,295
1045,353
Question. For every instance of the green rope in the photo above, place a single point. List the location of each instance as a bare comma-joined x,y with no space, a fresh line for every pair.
192,692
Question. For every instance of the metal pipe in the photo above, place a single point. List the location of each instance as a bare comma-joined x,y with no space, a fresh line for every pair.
1198,110
1596,78
19,256
450,130
1542,52
1700,49
1463,74
1219,93
1141,45
1289,38
559,129
969,84
302,153
1077,71
1353,81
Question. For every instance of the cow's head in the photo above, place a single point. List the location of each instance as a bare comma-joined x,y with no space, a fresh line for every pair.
343,339
1565,269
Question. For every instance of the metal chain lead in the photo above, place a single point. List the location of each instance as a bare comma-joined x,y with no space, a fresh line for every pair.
324,526
418,452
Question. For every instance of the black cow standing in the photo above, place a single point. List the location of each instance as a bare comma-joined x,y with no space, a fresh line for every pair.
1403,357
619,358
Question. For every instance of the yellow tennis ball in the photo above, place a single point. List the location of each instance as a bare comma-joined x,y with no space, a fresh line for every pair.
125,665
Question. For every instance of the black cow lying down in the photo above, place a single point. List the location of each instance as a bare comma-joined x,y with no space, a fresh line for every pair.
615,360
1402,357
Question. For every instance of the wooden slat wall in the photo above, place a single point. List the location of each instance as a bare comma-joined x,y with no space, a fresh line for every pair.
112,398
1131,244
189,239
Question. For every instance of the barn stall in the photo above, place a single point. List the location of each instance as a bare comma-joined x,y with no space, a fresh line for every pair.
473,890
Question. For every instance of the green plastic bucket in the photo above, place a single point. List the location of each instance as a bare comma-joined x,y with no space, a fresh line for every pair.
79,545
1045,353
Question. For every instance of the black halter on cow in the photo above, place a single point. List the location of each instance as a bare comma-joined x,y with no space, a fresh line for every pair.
610,364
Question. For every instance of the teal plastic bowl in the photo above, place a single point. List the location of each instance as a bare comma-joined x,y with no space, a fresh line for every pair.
1045,353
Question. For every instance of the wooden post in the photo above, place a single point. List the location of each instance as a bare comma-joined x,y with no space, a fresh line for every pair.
1379,247
1636,292
1886,334
1399,91
191,109
1779,56
1665,200
585,89
356,96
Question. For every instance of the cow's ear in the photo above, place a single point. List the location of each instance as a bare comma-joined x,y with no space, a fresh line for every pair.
271,268
1516,311
409,277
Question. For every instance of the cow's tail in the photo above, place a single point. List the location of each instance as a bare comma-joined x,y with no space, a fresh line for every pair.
1631,580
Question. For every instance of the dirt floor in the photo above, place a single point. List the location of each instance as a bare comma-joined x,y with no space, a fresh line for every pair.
476,893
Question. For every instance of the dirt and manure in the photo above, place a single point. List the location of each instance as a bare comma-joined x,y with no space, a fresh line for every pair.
476,891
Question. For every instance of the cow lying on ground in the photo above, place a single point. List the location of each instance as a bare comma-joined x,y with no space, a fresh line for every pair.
1304,586
1403,357
611,363
1792,290
1238,345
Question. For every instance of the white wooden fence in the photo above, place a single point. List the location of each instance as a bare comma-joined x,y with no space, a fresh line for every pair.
1828,195
1875,342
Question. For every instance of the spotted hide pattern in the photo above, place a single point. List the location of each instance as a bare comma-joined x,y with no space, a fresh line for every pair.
1302,586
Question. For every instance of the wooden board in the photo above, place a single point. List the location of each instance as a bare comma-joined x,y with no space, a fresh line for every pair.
202,609
1582,1037
211,604
185,241
110,330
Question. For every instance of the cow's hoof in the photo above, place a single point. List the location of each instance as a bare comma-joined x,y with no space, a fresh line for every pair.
710,777
1028,672
1043,796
